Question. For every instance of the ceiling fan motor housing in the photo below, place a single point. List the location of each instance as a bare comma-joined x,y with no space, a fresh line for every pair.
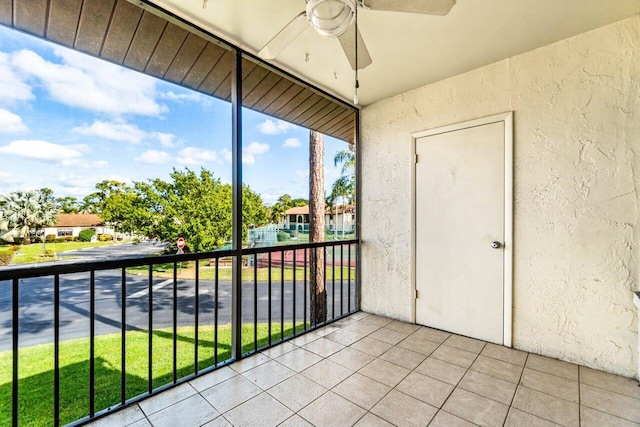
331,18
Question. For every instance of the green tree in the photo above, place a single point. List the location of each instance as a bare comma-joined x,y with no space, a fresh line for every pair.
23,211
277,211
299,202
197,207
67,204
117,204
344,187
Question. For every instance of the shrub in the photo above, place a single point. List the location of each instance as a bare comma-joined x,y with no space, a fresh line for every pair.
50,237
105,237
6,255
282,236
86,235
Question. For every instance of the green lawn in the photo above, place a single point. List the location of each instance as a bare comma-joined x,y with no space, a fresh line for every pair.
36,369
188,271
33,253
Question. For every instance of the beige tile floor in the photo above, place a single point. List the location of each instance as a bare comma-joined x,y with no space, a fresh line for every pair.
367,370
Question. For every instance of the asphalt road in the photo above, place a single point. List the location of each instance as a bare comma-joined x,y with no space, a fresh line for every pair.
36,324
118,251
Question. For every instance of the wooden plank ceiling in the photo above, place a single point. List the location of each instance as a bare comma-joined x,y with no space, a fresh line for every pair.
125,34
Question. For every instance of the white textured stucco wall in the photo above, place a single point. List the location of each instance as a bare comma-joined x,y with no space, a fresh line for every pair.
576,110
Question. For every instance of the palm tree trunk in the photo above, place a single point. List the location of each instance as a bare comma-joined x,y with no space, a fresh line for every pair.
317,292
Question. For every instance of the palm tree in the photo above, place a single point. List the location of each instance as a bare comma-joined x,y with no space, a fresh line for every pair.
22,211
276,213
345,186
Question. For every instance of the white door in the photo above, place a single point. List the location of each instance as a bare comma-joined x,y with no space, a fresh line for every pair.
460,231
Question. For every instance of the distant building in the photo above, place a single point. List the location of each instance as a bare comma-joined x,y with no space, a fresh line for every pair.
295,219
341,218
71,224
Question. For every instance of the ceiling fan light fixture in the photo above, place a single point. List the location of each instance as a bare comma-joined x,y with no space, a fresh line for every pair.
331,18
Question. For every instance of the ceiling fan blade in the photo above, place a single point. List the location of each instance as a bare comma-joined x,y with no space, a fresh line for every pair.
348,42
428,7
287,35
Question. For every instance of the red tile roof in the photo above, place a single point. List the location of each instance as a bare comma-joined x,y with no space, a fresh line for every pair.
78,220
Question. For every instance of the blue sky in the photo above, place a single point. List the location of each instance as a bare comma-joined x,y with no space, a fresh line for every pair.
68,121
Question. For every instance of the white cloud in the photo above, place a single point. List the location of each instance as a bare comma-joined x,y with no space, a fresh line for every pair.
119,130
6,178
81,163
274,127
80,185
291,143
41,150
116,130
11,123
76,180
253,150
12,84
100,164
153,157
226,155
85,82
167,140
249,153
197,156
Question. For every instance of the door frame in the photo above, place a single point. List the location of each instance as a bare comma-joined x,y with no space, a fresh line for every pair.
507,119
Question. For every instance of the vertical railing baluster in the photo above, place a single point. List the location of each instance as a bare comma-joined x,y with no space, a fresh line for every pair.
56,350
333,282
14,337
304,289
175,322
295,266
197,318
215,315
92,344
282,255
357,278
313,298
326,282
269,298
150,332
123,346
255,302
341,280
349,278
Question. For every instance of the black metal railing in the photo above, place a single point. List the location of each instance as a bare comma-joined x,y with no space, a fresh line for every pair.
159,321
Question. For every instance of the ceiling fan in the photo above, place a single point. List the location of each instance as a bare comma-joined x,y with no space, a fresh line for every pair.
332,19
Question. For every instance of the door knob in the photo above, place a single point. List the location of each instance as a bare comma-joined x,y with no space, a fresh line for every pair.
496,245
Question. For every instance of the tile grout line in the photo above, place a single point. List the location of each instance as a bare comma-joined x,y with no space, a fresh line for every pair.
367,411
458,383
394,387
516,390
327,390
606,389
